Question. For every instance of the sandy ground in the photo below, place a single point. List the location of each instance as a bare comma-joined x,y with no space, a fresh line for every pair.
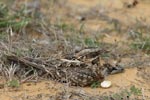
49,88
131,76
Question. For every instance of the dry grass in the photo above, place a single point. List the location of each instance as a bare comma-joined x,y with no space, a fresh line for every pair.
37,32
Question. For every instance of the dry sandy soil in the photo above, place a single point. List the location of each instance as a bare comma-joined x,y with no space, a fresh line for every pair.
111,19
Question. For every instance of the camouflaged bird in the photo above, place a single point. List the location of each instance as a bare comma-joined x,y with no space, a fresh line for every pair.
79,69
83,68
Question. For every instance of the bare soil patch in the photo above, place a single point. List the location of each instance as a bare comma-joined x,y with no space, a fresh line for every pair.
43,31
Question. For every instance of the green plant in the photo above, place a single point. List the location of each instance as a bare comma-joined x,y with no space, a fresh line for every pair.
13,83
3,10
142,44
16,20
135,91
65,27
95,84
125,94
90,42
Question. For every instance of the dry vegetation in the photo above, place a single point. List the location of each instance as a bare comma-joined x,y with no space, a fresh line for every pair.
37,37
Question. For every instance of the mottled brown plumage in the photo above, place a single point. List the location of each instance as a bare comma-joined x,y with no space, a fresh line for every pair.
81,69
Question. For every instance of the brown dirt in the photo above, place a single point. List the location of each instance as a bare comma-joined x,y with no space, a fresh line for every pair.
49,88
139,77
